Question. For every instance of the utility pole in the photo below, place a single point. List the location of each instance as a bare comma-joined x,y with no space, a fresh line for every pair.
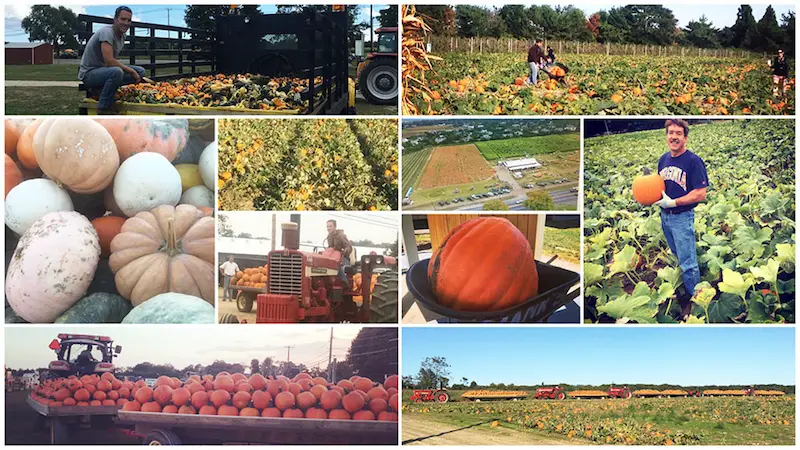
289,352
371,39
274,225
330,354
168,10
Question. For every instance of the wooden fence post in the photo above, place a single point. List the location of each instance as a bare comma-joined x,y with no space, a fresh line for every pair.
608,48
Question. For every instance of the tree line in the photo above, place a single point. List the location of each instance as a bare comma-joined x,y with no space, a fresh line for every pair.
630,24
434,373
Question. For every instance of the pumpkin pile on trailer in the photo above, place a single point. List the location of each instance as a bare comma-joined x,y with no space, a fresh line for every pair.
109,220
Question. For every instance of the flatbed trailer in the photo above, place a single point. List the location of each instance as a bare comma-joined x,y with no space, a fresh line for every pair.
62,420
177,429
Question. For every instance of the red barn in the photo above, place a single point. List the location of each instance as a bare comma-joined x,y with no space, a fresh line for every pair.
27,53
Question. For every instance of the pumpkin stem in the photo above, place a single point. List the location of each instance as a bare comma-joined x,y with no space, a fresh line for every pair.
646,171
172,241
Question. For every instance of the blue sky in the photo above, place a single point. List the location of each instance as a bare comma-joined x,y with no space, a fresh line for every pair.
163,14
601,355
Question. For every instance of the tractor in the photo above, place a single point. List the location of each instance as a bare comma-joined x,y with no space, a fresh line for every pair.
619,392
377,75
69,347
306,287
430,395
552,393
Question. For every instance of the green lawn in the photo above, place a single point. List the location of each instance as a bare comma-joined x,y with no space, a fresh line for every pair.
34,101
423,197
66,72
566,243
532,146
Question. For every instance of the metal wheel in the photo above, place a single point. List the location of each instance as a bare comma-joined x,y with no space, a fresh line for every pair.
244,302
162,437
379,82
442,397
383,304
561,396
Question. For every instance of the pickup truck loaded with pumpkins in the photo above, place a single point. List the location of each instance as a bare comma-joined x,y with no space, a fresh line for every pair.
109,220
223,408
253,64
298,286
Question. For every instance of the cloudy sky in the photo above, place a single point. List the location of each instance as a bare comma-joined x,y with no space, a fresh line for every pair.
162,14
181,345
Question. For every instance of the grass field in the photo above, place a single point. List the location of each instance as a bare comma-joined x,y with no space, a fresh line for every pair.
566,243
657,421
532,146
68,72
33,101
555,166
423,197
413,165
455,164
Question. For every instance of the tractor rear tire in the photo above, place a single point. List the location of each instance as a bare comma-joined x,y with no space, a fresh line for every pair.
379,82
561,396
383,305
442,397
244,302
228,318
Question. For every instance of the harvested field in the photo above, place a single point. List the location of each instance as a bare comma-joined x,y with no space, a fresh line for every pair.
455,164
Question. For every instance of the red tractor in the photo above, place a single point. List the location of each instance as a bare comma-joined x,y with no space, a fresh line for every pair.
81,354
377,75
619,392
430,395
552,393
306,287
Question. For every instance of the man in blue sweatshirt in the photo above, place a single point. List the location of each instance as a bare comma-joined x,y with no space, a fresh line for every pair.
685,180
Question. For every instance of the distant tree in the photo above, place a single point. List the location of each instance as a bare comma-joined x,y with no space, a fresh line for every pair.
441,18
223,366
593,25
539,201
224,229
769,32
267,367
244,236
353,26
545,21
472,20
473,385
254,366
373,353
652,24
408,382
572,24
434,372
787,33
495,26
495,205
202,17
342,371
615,25
745,28
701,33
55,26
388,16
517,22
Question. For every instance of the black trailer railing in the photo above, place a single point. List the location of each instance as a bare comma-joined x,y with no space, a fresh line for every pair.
193,48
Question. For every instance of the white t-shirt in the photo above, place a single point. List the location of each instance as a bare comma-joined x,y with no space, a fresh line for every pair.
229,268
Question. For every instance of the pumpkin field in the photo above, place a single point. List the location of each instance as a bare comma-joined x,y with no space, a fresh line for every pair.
109,220
653,421
308,164
745,229
495,83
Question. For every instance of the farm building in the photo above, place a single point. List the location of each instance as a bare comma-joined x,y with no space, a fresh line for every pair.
521,164
29,53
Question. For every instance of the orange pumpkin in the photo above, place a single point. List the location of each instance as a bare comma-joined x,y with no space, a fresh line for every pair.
557,71
107,228
483,245
519,81
25,152
647,188
13,175
12,136
165,136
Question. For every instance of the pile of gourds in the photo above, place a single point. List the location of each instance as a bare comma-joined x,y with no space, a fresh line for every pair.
109,220
236,91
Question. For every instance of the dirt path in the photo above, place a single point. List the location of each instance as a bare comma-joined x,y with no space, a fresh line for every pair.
418,430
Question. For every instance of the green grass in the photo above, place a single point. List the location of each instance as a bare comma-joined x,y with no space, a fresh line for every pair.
34,101
68,72
430,196
566,243
531,146
413,165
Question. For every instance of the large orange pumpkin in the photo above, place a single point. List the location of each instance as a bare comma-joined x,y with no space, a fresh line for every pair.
168,249
25,153
165,136
13,175
107,228
489,245
647,188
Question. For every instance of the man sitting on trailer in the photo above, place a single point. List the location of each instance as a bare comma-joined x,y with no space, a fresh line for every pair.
339,242
100,68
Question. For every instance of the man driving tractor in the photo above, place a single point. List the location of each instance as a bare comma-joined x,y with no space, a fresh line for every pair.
85,360
339,242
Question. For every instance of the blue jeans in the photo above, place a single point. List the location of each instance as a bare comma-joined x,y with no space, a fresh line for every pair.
110,79
534,77
345,262
227,293
679,232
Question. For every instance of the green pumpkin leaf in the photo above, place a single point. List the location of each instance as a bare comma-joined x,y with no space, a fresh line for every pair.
624,261
768,272
592,273
628,308
693,320
750,242
735,283
725,309
670,275
703,294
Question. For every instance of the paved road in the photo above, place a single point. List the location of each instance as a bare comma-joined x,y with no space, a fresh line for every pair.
29,83
560,197
425,430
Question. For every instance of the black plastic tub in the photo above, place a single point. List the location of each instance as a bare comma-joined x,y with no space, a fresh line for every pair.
554,285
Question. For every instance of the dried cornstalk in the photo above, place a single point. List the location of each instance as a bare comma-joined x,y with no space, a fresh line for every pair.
415,60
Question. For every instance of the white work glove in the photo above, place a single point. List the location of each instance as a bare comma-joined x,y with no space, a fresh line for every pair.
665,201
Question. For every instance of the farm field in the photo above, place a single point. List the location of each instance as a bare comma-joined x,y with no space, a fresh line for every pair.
308,164
745,230
466,84
665,421
413,165
535,145
455,164
555,166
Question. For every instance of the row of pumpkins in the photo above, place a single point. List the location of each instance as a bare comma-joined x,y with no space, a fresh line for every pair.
255,277
303,396
119,209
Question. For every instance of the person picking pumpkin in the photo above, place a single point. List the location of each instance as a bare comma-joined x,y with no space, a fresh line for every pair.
339,242
100,68
685,183
228,270
780,71
535,57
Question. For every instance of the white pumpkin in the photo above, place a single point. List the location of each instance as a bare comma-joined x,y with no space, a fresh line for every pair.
52,266
198,196
144,181
208,165
28,201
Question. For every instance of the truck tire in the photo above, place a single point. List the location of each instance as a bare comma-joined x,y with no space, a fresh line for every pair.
162,437
228,318
383,305
244,302
379,82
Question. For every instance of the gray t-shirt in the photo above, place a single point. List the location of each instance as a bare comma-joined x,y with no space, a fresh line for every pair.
93,54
